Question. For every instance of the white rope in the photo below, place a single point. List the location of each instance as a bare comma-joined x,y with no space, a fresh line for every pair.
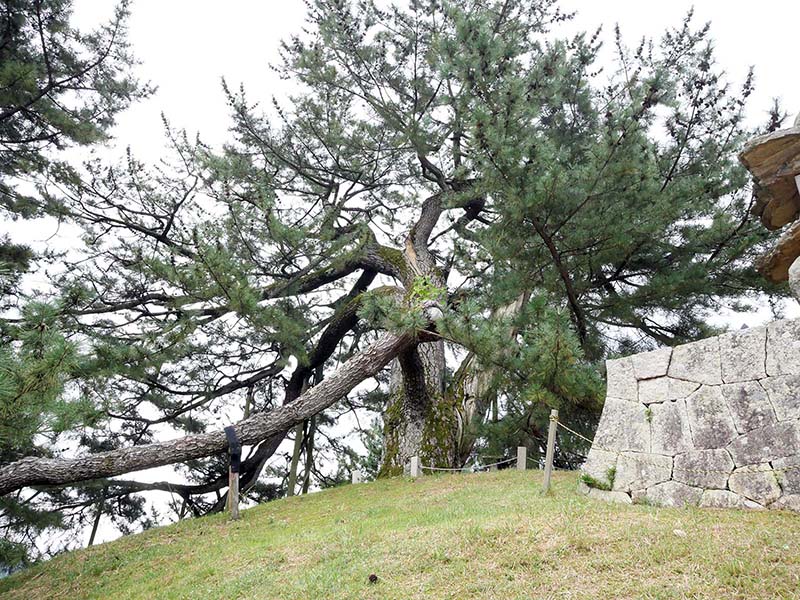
675,469
474,467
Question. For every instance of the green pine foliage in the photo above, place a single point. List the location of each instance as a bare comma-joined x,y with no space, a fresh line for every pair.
58,87
619,192
212,282
33,374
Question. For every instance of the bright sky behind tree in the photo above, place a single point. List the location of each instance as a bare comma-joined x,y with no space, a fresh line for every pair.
187,46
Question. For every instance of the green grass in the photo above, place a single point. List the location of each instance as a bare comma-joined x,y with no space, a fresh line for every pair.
483,535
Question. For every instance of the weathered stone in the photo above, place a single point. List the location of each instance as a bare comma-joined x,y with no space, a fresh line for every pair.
653,390
583,488
788,502
773,159
680,389
648,365
742,355
784,393
749,405
598,464
623,427
710,421
621,379
787,470
778,263
618,497
703,468
636,471
698,417
783,348
673,494
662,389
669,427
721,499
794,268
755,482
767,443
698,361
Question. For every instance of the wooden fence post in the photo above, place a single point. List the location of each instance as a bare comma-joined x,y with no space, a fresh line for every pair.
522,458
233,493
415,470
551,446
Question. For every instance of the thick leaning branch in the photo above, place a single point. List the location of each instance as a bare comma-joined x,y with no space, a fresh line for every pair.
55,471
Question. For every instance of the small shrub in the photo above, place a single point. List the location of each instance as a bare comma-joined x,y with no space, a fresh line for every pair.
594,483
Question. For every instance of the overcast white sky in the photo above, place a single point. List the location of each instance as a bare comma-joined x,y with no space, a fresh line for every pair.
186,46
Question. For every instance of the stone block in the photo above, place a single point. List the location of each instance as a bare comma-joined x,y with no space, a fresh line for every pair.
669,427
767,443
742,355
784,393
698,362
636,471
618,497
598,463
756,482
623,427
704,468
648,365
788,502
749,405
710,421
663,389
653,390
673,494
783,348
680,389
787,470
721,499
621,380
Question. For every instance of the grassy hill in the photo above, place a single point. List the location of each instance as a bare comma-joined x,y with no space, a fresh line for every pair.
485,535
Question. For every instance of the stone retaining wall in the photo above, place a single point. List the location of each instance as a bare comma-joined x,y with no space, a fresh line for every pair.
714,423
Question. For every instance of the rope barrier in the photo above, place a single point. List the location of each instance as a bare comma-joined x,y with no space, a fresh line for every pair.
675,469
573,432
502,462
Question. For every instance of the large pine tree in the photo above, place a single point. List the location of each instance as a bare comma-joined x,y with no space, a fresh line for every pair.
452,190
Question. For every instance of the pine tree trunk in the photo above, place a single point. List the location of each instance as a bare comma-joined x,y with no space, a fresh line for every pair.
473,391
98,514
260,426
418,420
309,461
298,445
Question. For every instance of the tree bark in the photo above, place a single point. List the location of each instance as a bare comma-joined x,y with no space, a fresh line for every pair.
298,444
410,419
97,515
309,460
62,471
416,421
473,389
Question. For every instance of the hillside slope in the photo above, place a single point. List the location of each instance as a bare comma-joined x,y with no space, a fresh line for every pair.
485,535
